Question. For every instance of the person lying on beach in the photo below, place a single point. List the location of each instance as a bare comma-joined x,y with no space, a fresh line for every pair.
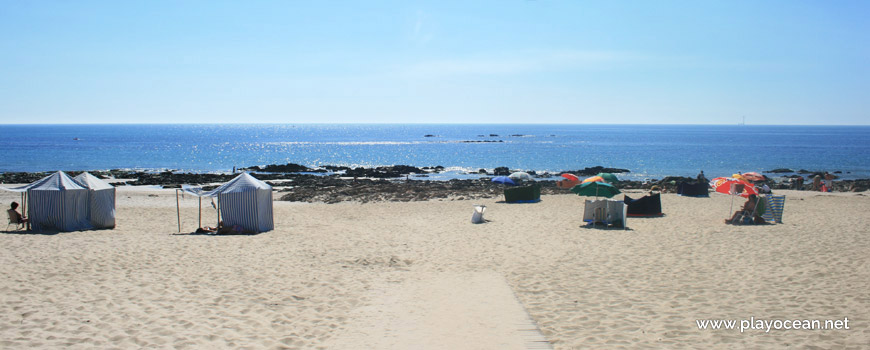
754,206
15,216
221,230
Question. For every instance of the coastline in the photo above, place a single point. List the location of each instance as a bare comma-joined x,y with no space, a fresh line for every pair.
333,184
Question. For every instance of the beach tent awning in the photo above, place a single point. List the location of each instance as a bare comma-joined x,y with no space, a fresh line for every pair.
242,183
92,182
56,181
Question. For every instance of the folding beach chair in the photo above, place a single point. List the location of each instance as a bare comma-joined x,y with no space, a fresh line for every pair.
13,220
747,217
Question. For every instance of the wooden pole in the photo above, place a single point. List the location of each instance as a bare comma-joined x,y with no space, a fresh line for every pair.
218,208
178,210
24,210
200,212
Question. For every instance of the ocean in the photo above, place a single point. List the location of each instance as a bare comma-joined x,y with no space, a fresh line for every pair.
649,151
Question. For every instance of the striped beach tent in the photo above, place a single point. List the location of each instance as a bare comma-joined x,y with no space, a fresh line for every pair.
101,200
56,203
243,201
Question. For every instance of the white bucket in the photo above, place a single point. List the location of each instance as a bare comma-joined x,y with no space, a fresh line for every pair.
477,217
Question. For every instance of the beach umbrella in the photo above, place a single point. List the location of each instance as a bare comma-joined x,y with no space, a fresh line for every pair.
593,179
608,177
520,175
571,177
567,183
740,177
753,176
733,186
503,180
596,188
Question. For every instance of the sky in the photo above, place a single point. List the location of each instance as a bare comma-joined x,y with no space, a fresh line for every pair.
505,61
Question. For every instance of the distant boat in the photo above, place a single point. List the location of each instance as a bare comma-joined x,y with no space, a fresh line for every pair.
75,138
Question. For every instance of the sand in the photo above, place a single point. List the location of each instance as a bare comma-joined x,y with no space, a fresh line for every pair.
344,275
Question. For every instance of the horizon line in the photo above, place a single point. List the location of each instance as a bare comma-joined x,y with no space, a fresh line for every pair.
419,123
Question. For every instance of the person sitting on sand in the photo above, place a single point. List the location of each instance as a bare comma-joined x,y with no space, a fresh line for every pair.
799,183
15,216
817,183
753,205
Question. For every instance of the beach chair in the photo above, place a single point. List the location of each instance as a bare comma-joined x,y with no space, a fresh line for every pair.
13,220
606,212
747,217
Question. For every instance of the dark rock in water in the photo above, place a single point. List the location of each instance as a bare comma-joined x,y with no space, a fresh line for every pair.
336,168
597,169
481,171
285,168
838,172
500,171
780,171
493,135
429,135
519,135
804,171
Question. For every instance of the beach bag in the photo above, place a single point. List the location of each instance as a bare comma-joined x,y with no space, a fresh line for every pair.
477,216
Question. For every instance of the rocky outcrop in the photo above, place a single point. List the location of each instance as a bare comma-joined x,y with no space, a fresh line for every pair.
591,171
284,168
384,172
501,171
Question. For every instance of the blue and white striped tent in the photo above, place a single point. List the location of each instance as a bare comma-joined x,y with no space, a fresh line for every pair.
243,201
101,200
56,203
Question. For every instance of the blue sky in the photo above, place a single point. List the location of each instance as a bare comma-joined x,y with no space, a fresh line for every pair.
662,62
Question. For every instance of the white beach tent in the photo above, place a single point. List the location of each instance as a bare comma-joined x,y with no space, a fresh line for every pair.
101,200
243,201
56,202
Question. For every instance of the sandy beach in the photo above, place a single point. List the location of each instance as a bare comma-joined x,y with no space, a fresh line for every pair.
311,282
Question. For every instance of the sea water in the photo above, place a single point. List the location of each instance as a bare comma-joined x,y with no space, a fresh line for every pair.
649,151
